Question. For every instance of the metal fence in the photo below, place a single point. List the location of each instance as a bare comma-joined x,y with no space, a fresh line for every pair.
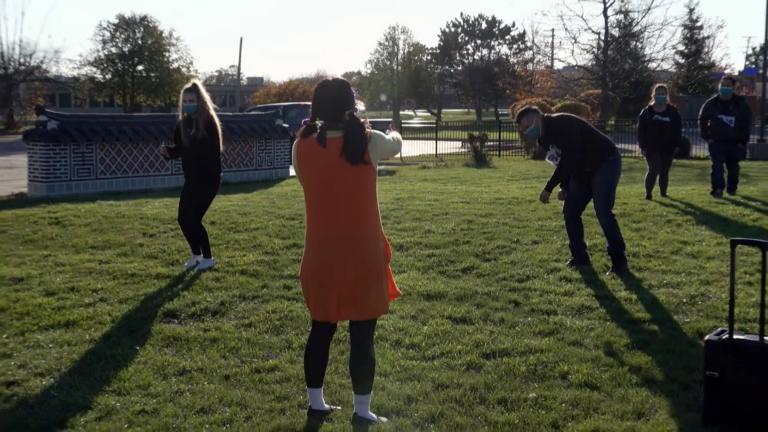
429,139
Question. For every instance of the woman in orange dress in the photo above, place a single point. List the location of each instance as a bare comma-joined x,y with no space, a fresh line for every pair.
345,273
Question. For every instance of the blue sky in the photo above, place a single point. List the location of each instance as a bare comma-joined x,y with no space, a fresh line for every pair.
291,38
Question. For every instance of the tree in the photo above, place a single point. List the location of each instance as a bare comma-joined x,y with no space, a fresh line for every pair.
292,90
22,61
632,77
694,64
591,29
489,53
223,76
442,64
386,64
755,57
138,62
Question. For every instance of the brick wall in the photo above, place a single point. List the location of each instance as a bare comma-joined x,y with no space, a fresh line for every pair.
79,157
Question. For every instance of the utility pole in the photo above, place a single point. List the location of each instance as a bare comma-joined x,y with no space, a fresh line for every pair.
552,51
533,62
765,66
238,101
746,51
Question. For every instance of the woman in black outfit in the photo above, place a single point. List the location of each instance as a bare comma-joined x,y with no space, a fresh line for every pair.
198,142
659,132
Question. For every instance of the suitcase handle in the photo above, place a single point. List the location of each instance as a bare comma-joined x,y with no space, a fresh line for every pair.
763,246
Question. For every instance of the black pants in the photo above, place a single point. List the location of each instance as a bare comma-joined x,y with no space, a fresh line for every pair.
658,166
729,154
194,202
600,188
362,357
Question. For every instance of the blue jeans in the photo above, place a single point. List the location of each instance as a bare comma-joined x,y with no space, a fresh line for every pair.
729,154
600,187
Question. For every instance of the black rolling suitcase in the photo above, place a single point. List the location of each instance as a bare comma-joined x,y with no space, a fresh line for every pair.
736,364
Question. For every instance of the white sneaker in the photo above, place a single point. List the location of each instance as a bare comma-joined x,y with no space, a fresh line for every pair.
192,262
206,263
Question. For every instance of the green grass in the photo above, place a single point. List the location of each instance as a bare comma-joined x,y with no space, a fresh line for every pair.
100,331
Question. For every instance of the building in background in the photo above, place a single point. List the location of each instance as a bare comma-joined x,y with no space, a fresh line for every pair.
59,93
225,95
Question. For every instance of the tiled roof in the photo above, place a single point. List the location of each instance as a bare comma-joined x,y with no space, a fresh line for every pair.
70,127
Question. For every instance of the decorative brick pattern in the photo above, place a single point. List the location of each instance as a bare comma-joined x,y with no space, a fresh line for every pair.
131,159
83,161
97,154
238,155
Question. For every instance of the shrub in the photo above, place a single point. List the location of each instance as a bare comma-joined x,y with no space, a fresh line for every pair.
545,105
574,107
592,98
480,157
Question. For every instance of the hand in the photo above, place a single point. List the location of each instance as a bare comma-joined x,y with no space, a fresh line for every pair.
544,196
164,152
561,194
392,126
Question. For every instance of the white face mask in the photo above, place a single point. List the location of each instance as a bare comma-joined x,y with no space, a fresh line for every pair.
553,155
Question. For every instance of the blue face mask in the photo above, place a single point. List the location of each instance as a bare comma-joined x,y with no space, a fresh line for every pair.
532,133
726,91
189,108
660,99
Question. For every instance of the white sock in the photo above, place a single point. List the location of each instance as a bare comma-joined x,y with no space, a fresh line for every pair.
316,399
363,406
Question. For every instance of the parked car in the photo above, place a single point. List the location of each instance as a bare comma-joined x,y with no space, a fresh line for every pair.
290,113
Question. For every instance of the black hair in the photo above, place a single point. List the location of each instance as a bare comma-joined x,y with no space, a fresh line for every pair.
528,109
333,103
730,78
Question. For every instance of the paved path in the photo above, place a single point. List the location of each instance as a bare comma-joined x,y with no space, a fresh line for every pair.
13,165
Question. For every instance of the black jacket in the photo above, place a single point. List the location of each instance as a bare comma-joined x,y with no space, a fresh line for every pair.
659,132
583,148
201,160
726,121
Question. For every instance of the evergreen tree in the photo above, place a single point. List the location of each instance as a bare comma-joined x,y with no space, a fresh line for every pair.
695,67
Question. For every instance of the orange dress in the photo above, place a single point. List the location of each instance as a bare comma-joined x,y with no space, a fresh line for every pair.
345,272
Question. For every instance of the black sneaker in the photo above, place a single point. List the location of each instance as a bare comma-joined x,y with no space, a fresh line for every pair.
717,194
321,414
731,193
664,195
581,262
649,197
363,423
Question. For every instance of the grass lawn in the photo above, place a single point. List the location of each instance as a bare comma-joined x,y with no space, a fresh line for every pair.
101,331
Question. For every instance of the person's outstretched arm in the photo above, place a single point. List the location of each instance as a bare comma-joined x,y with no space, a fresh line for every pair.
384,146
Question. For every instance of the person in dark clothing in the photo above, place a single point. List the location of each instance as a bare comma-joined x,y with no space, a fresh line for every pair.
592,164
198,142
725,121
659,131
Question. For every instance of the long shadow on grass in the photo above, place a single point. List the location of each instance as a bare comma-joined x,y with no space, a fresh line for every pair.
757,200
677,355
226,189
743,203
716,222
74,391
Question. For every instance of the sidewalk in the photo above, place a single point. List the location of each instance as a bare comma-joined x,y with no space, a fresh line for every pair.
13,165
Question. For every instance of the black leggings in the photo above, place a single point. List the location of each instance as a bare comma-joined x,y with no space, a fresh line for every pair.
658,166
362,358
194,202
